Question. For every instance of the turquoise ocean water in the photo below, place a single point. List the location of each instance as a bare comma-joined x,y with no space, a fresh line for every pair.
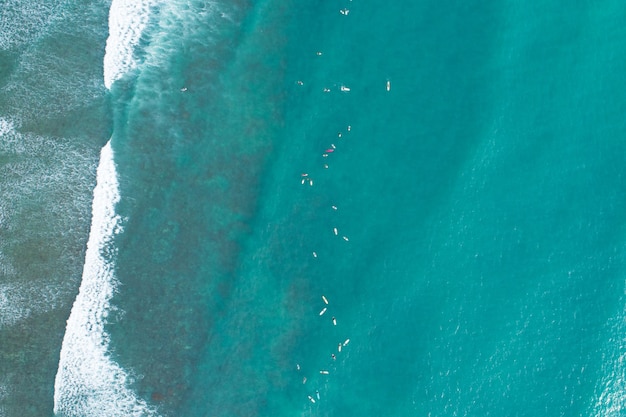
279,208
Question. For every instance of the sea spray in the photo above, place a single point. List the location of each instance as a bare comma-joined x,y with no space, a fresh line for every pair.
89,382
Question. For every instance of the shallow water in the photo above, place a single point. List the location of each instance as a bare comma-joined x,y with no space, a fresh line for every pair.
53,121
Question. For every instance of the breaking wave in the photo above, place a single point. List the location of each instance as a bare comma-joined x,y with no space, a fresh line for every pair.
127,21
89,382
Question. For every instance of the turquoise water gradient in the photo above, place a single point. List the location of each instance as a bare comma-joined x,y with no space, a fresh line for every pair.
477,267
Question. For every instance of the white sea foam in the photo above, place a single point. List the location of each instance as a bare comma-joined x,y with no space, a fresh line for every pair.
40,202
89,382
6,126
20,300
12,308
55,85
127,20
4,393
22,21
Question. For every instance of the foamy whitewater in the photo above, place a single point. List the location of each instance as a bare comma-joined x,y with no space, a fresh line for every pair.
127,20
3,395
6,126
23,21
20,298
89,382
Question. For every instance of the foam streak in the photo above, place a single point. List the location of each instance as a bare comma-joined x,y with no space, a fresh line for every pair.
127,20
89,382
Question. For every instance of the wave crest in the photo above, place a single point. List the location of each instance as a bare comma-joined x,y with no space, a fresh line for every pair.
89,382
127,21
